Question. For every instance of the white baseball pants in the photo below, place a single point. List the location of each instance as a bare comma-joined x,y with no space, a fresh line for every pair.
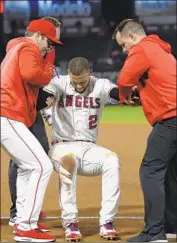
35,169
91,160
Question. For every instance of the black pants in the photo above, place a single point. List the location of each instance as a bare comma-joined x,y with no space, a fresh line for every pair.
161,148
171,197
38,129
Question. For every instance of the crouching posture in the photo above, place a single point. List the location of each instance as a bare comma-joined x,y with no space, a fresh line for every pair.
86,159
80,99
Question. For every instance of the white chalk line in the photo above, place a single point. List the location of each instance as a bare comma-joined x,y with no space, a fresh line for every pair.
90,217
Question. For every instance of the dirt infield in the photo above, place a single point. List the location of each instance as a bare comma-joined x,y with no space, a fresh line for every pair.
129,142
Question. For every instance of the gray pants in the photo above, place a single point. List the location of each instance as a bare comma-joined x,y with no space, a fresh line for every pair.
38,129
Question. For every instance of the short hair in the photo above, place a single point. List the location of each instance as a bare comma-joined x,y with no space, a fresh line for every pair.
78,66
54,21
127,25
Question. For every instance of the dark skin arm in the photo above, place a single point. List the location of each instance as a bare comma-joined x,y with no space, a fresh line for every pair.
42,97
114,94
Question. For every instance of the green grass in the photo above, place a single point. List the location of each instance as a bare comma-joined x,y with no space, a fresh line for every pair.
117,114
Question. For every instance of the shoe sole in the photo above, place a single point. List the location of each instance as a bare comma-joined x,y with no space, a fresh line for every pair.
27,239
159,241
74,239
110,237
44,230
171,236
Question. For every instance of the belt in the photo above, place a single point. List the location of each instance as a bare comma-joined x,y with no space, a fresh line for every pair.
73,141
164,120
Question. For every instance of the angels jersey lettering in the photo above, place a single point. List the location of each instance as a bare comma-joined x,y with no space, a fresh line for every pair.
76,116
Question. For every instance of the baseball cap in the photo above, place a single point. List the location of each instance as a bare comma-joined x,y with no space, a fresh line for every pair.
45,27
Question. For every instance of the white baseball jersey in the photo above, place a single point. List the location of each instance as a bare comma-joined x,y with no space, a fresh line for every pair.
76,116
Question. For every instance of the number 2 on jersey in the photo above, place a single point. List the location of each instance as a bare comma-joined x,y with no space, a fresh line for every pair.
93,121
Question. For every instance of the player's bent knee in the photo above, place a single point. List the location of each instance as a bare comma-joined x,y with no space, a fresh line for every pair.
112,160
67,168
64,162
68,162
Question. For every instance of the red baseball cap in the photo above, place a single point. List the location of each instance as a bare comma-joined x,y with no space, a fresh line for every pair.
45,27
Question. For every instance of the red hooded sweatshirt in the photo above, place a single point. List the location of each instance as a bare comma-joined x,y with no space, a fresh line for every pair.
151,66
23,71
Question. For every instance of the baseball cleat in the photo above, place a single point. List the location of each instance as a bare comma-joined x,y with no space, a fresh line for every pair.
12,221
108,232
42,227
35,235
72,233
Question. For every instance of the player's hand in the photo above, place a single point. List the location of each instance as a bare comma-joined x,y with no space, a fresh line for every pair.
50,101
129,101
50,56
135,97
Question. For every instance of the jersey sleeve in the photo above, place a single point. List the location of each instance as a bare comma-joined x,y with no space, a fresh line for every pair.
105,93
56,86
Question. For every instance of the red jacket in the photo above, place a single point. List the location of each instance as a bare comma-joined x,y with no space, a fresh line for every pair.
152,67
23,71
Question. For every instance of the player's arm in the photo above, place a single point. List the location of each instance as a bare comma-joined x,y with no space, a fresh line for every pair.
51,90
42,99
32,68
135,99
109,91
114,93
134,67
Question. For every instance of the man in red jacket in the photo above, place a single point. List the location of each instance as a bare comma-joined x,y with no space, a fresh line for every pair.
23,72
151,66
38,130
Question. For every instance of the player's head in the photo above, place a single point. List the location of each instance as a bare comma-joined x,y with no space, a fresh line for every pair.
128,33
79,72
